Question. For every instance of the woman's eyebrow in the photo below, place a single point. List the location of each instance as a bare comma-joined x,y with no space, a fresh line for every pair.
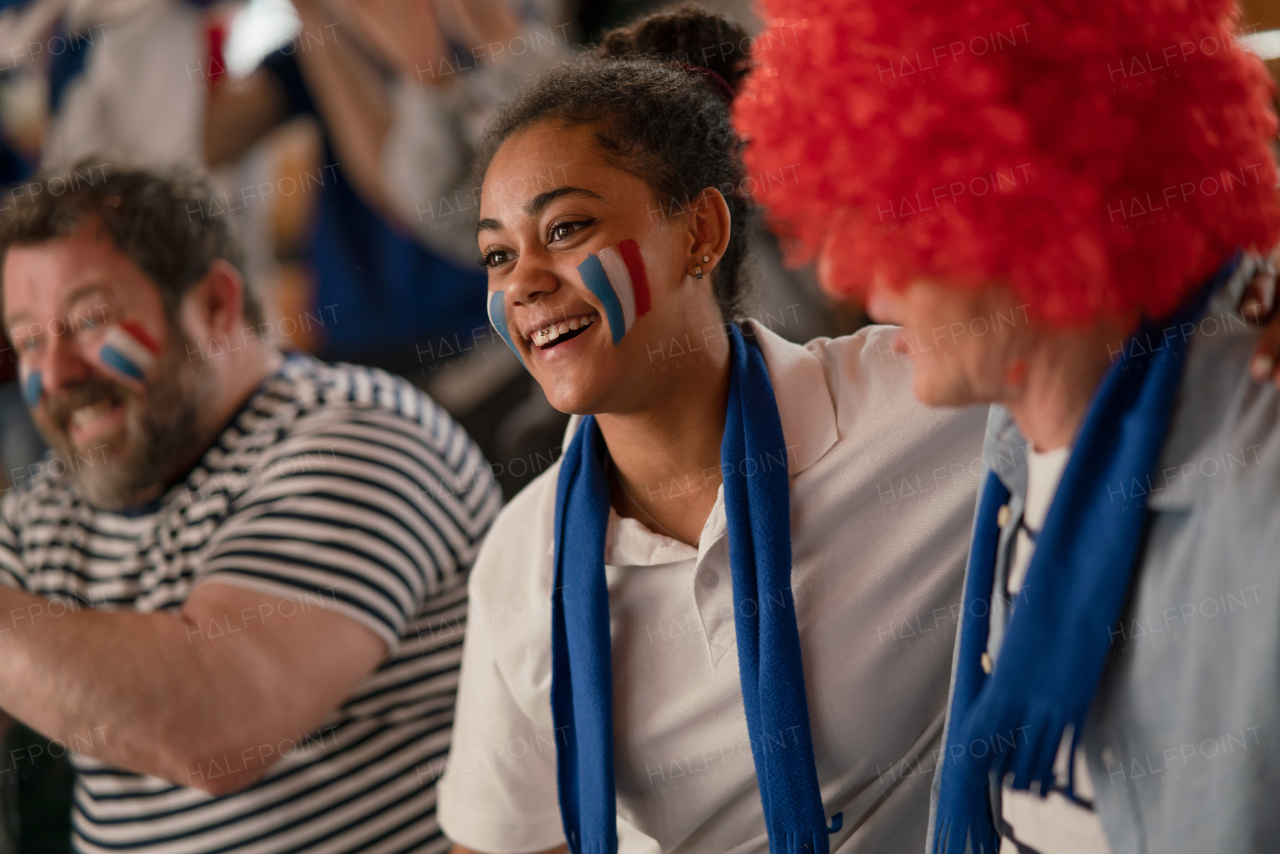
538,203
535,206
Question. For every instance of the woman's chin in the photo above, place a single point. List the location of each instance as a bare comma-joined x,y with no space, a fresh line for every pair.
580,388
932,390
571,397
933,387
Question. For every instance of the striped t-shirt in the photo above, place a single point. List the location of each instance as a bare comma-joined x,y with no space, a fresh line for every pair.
337,487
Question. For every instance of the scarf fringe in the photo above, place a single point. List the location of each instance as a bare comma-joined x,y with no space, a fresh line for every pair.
953,839
1021,737
802,843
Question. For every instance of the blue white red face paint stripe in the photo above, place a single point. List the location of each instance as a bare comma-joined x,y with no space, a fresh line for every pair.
498,318
128,351
617,277
32,387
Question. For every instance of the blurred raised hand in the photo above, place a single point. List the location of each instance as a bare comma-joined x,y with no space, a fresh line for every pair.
405,34
1259,305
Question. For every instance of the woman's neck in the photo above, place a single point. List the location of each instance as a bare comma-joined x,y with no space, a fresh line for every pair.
1063,372
666,457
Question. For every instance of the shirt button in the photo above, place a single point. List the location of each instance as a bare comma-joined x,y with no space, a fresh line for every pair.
986,663
1108,757
709,578
1002,515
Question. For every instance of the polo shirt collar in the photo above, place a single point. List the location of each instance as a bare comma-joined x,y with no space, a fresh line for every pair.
805,404
808,415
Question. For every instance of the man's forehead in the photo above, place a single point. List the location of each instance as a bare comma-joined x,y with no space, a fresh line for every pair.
59,273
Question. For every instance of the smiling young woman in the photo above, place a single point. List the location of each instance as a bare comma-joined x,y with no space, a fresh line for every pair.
723,621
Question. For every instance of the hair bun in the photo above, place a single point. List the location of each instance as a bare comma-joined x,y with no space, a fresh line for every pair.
690,36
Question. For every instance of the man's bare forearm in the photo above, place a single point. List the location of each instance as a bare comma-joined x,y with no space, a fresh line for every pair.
152,701
238,114
219,685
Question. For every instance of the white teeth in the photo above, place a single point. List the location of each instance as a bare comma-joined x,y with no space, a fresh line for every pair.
87,414
555,329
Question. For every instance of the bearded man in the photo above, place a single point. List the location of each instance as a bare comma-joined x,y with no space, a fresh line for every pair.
234,588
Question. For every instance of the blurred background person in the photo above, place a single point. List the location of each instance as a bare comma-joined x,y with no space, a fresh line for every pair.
397,90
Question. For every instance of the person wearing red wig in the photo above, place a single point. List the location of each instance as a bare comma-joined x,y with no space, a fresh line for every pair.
1056,203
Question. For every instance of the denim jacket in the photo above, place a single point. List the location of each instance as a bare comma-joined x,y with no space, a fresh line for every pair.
1183,734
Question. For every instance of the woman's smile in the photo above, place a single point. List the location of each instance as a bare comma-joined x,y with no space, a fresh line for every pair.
547,334
557,346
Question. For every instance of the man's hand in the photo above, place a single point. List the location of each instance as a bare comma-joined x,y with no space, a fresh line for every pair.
406,34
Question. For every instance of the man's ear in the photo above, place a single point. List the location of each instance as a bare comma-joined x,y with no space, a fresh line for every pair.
215,304
710,225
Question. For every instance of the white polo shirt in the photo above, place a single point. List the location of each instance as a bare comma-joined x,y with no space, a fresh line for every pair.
882,497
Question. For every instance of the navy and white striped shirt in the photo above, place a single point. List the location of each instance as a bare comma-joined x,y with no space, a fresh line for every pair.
335,487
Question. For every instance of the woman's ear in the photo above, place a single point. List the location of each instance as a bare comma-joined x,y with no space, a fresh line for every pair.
710,225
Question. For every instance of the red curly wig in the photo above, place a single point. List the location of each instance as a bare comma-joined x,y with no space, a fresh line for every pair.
1101,156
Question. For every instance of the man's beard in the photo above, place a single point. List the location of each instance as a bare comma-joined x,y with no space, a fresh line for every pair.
160,434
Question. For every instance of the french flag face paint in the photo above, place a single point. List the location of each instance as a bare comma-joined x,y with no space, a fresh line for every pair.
498,318
128,351
616,276
32,387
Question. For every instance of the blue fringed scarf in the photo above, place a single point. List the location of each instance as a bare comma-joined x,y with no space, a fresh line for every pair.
758,510
1057,641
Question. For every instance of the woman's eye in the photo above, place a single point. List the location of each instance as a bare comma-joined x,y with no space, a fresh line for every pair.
561,231
494,258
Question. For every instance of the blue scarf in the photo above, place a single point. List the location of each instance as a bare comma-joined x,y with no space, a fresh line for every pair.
1058,641
758,510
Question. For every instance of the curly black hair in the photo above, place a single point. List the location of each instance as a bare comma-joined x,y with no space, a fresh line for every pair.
657,93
